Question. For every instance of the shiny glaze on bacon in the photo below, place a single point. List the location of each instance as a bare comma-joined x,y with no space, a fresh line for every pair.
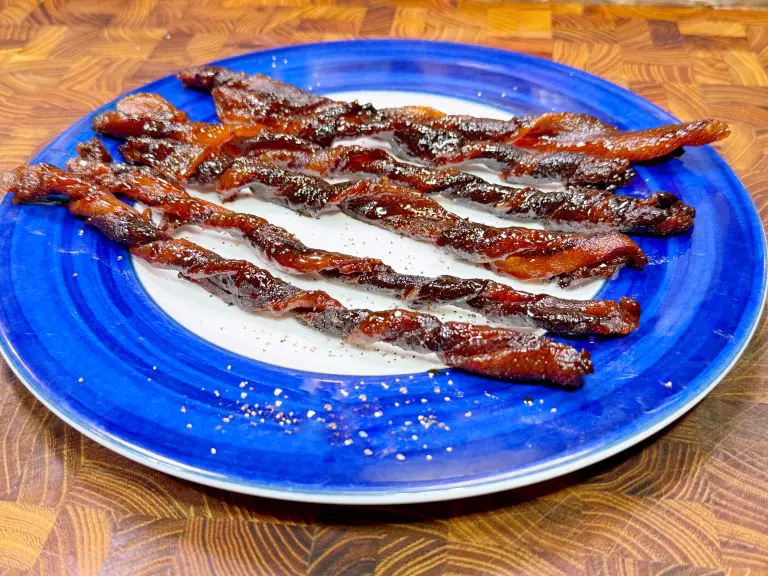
242,99
661,214
549,132
497,352
574,208
518,252
150,115
569,132
426,143
494,300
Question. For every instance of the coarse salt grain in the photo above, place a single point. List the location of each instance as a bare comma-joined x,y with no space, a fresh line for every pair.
400,457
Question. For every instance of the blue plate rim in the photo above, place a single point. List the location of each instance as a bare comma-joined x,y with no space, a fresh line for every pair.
464,489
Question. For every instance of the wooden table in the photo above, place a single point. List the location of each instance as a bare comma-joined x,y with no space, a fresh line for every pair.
691,500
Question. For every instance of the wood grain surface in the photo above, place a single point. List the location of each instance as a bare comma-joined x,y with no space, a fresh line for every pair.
692,500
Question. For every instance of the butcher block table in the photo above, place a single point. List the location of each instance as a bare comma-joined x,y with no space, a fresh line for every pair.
690,500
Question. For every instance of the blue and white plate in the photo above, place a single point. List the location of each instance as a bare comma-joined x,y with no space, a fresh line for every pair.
155,369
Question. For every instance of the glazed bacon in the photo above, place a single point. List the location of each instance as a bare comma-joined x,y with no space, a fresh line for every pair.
496,352
153,116
551,132
424,142
660,214
522,253
569,132
183,156
494,300
518,252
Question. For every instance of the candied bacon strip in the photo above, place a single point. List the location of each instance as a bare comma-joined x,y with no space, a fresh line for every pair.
421,141
497,352
547,132
518,252
494,300
522,253
661,214
569,132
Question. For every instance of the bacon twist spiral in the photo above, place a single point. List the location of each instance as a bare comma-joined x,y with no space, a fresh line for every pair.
519,252
494,300
497,352
423,131
660,214
188,151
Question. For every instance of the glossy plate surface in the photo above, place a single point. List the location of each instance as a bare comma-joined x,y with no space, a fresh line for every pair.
100,341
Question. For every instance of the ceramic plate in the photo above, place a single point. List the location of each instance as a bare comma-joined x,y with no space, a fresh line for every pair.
155,369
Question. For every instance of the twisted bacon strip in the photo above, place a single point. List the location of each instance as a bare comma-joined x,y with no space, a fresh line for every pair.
522,253
661,214
201,158
494,300
497,352
550,132
287,109
518,252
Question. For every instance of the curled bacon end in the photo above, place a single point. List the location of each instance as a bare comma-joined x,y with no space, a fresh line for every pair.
635,146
